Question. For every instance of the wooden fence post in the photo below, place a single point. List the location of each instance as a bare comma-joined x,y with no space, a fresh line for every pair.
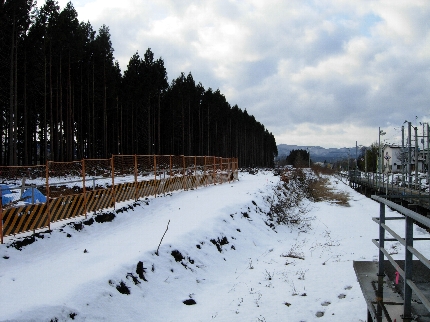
195,170
183,172
112,166
228,169
205,174
214,172
84,188
47,194
135,178
155,176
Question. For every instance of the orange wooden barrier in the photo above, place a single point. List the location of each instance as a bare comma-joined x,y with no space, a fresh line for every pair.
75,188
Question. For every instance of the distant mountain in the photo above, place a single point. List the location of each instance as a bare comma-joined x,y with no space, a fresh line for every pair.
318,154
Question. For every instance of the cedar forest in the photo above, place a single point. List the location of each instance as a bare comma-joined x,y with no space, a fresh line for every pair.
63,97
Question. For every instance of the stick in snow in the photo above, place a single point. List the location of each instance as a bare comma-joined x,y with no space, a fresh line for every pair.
156,253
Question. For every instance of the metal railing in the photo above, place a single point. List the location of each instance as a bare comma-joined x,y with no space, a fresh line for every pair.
389,180
393,186
410,218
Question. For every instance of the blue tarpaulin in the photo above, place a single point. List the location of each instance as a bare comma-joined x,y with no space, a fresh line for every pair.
5,190
6,196
38,196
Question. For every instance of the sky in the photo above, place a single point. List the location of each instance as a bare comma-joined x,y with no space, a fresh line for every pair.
302,271
326,72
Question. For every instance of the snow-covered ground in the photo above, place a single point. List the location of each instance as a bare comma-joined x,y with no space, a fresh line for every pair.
218,254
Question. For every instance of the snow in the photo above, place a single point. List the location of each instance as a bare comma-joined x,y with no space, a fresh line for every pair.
289,273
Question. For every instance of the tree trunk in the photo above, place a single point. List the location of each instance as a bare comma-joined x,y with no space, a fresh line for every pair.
15,106
43,155
27,139
11,98
51,110
60,154
92,136
104,112
208,153
69,117
148,104
159,123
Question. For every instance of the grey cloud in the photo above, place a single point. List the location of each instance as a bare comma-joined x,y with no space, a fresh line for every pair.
285,71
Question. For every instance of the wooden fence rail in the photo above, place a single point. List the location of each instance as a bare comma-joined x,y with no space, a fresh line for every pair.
74,189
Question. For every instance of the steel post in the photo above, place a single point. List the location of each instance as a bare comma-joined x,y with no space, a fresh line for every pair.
416,157
381,239
403,156
409,155
428,154
409,239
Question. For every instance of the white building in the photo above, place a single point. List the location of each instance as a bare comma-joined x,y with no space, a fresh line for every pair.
393,159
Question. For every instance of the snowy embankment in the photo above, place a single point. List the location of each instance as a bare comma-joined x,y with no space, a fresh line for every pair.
220,253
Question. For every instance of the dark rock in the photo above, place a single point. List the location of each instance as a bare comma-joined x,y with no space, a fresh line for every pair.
177,255
189,302
105,217
89,222
123,288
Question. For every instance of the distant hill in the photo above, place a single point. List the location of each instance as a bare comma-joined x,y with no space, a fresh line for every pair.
318,154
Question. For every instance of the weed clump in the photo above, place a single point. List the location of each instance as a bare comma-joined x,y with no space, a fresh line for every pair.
219,242
287,206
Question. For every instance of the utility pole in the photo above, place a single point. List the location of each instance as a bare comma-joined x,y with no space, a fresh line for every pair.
403,155
428,156
379,151
381,132
409,155
416,156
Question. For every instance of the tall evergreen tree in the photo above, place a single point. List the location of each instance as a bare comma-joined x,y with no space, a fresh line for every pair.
15,20
62,97
298,158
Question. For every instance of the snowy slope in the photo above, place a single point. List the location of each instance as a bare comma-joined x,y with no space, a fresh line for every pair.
218,252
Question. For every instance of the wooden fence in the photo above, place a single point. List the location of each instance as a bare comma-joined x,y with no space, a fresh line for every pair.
73,189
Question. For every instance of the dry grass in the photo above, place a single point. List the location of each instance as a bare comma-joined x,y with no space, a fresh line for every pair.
320,191
318,170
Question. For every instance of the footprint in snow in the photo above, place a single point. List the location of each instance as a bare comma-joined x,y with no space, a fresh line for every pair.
319,314
346,288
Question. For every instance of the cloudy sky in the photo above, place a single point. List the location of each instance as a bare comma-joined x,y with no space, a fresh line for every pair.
314,72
